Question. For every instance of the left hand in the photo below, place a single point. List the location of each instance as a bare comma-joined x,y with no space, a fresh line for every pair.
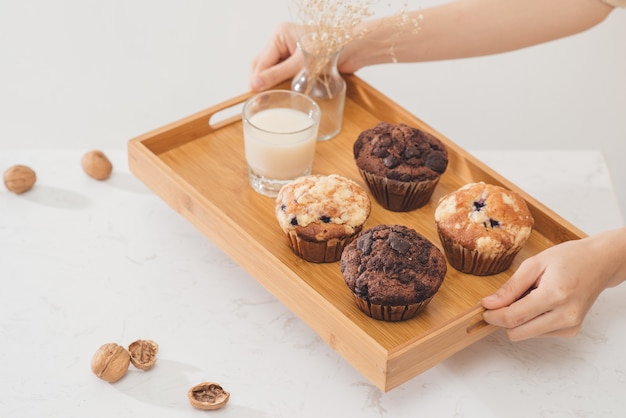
564,282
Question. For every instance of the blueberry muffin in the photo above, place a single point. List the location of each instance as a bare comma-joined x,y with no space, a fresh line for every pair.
482,227
392,271
401,165
321,214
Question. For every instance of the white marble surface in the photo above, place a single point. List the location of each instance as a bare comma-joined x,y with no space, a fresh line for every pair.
84,262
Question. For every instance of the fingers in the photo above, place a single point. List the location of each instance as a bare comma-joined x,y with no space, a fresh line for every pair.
526,277
518,313
278,61
549,324
517,306
565,280
264,61
269,56
548,309
274,74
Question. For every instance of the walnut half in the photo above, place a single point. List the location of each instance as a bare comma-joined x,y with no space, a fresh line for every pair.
208,395
143,354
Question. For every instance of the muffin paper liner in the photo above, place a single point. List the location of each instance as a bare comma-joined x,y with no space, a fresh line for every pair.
473,262
319,251
391,313
399,196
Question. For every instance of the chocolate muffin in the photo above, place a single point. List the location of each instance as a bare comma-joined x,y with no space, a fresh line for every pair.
400,164
321,214
392,271
482,227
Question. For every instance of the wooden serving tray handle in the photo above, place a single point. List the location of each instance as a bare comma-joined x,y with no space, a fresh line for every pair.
476,322
197,125
200,124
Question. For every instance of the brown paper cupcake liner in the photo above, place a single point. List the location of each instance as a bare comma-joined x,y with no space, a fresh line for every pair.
319,251
473,262
391,313
399,196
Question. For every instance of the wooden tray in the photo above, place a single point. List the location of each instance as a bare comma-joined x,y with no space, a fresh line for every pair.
197,166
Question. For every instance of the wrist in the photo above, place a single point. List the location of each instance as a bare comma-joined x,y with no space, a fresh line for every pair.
611,249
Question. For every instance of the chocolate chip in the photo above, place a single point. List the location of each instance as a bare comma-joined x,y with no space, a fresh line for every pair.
326,219
399,243
436,161
364,243
380,146
294,221
411,151
391,161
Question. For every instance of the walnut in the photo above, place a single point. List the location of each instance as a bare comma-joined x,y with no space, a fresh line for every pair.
19,179
208,395
97,165
110,362
143,354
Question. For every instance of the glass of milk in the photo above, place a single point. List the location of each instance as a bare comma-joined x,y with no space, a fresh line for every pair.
280,131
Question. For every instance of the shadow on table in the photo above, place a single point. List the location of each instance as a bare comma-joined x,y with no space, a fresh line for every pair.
128,182
57,197
166,385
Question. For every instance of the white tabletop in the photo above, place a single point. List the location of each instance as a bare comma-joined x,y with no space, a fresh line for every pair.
84,263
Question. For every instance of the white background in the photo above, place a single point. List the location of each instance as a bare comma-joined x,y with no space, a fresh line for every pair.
93,74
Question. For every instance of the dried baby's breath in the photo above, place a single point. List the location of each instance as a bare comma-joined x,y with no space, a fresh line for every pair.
336,22
333,21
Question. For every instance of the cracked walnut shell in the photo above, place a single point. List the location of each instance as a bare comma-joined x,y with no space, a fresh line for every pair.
19,178
97,165
143,354
208,395
110,362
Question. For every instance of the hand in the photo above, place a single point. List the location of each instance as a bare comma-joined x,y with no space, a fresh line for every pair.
279,60
562,283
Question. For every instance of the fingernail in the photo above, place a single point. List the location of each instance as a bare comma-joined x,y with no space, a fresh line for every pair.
491,297
257,84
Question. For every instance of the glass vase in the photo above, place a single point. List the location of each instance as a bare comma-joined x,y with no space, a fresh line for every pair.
320,80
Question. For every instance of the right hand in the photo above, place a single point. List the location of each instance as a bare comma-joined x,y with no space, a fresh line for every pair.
279,60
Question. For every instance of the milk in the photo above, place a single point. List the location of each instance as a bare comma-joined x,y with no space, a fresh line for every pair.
280,143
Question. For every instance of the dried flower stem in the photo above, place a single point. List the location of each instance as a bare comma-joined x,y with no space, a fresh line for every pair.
334,23
319,65
332,20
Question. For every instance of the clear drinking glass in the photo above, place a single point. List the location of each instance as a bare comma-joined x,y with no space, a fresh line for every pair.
280,130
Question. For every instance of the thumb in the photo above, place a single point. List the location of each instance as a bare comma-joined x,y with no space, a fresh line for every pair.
526,276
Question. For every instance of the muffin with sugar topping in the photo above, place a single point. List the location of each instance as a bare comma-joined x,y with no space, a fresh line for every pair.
482,227
321,214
